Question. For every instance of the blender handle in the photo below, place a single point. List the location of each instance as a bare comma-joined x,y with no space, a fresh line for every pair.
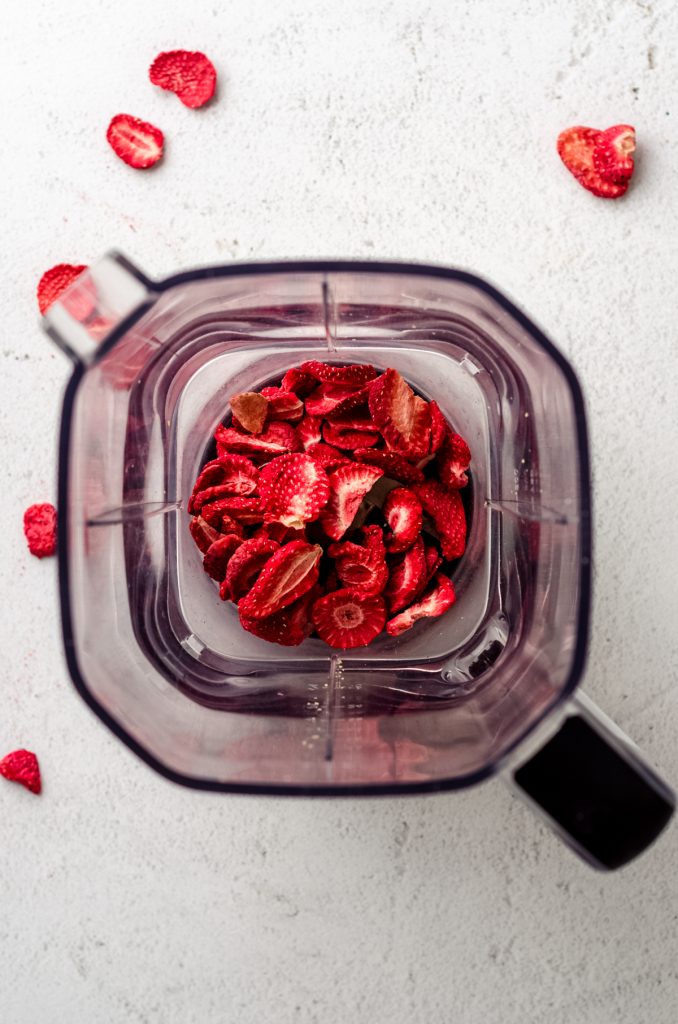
593,786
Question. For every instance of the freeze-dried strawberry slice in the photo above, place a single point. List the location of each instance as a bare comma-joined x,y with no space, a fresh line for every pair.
206,497
394,466
288,574
327,456
340,436
577,149
243,510
445,508
22,766
406,578
250,410
284,433
55,281
439,427
348,486
433,562
362,566
246,564
355,376
40,525
613,153
218,555
293,490
401,416
202,533
454,458
216,515
288,627
136,142
334,398
189,75
436,602
298,382
347,618
402,511
229,441
309,430
283,405
278,532
234,472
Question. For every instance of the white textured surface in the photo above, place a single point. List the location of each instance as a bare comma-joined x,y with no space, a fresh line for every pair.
401,129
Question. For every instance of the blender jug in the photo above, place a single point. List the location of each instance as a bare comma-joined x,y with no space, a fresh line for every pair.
488,687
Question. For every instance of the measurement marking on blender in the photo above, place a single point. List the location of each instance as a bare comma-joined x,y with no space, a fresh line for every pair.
329,336
138,510
543,514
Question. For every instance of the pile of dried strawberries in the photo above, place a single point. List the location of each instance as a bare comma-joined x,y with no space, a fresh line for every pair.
310,518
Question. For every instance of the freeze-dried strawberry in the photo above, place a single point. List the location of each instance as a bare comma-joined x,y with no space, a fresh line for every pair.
348,486
356,376
266,445
436,602
334,398
309,430
250,410
340,436
55,281
288,574
613,153
445,508
439,427
216,515
327,456
407,577
394,466
577,149
276,531
283,405
402,511
189,75
454,458
293,490
136,142
298,382
362,566
234,472
40,525
433,562
207,497
401,416
246,564
218,555
347,618
288,627
202,533
22,766
243,510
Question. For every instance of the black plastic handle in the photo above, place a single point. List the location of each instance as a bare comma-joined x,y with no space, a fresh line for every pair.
599,794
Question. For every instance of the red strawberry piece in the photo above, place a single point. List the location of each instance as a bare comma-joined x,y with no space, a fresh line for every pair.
218,555
202,533
453,460
613,153
216,515
406,578
235,472
243,510
355,376
344,437
293,490
401,416
402,512
288,574
327,456
190,76
283,405
309,431
266,445
278,532
288,627
206,497
577,149
284,433
347,618
246,564
436,602
211,474
334,398
439,427
40,524
362,567
136,142
433,562
348,486
22,766
55,281
298,382
250,409
445,508
394,466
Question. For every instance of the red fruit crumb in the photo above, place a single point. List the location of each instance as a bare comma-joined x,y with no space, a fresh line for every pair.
55,281
288,574
137,143
402,512
250,408
190,75
348,486
293,490
22,766
600,161
40,524
347,618
435,603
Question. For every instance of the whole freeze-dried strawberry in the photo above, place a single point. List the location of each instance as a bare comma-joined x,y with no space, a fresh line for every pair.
309,431
246,564
293,490
402,512
283,405
348,486
395,466
218,555
327,456
265,445
407,577
40,525
445,508
334,398
356,376
436,602
216,515
585,152
298,382
189,75
203,534
243,510
345,437
288,627
454,458
22,766
55,281
137,143
439,427
613,153
401,416
288,574
362,567
250,409
348,618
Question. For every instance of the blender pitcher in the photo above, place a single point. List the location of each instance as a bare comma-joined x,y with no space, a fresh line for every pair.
487,688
